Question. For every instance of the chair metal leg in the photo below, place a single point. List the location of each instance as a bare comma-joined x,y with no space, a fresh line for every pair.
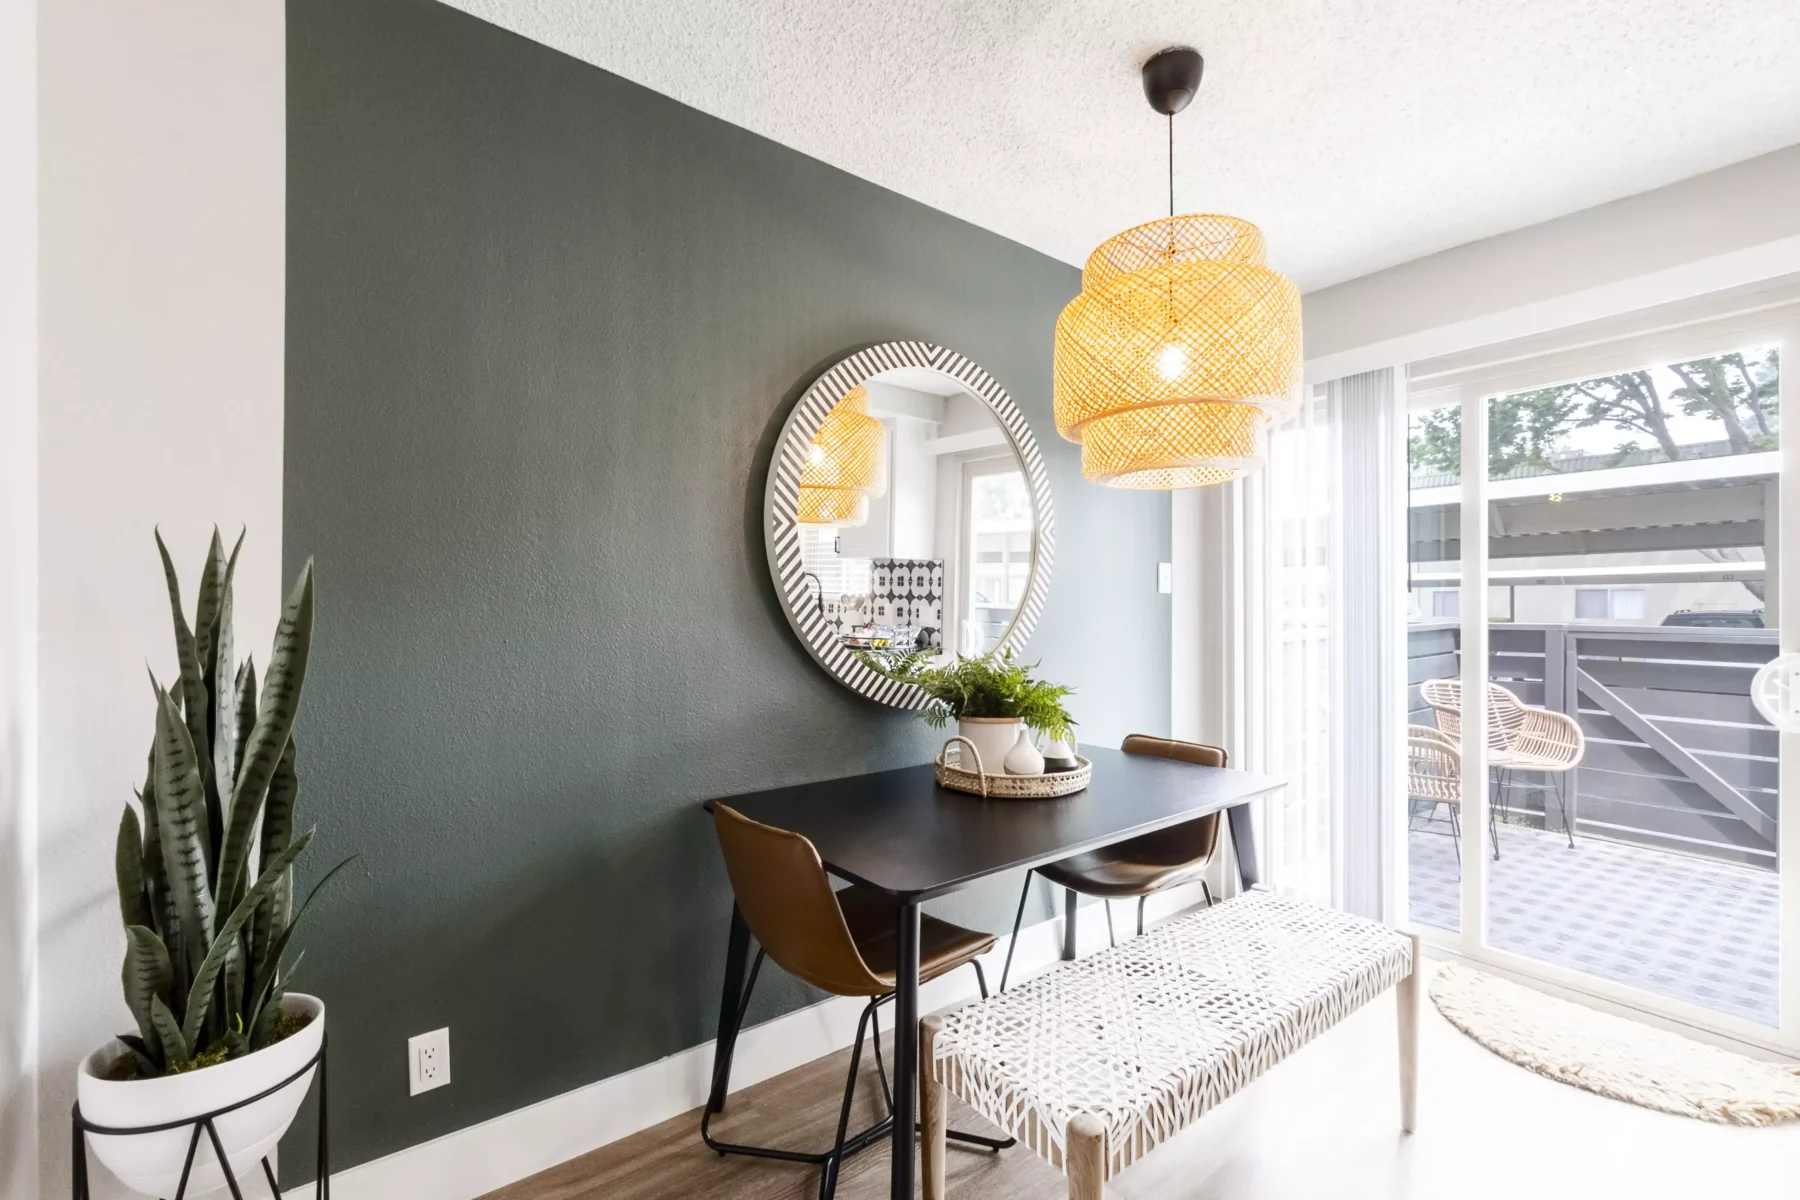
1493,808
955,1135
1207,892
854,1145
1141,900
1024,895
828,1178
980,977
750,985
1111,940
887,1093
1562,785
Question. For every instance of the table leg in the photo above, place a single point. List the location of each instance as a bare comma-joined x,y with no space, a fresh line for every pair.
1070,903
737,958
906,1047
1243,842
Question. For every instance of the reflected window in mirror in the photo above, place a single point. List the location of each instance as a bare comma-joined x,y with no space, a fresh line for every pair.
997,533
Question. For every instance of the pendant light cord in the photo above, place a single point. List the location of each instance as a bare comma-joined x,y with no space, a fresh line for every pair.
1174,317
1171,164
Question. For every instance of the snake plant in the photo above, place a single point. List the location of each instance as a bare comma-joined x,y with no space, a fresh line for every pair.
206,873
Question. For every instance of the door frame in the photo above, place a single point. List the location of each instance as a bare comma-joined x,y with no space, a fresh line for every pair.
1777,324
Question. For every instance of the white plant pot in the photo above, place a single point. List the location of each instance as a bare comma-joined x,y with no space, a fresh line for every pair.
994,737
151,1162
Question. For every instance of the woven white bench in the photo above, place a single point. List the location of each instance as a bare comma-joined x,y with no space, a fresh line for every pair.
1096,1063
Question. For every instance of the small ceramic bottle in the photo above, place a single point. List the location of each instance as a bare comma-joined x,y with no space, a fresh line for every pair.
1023,758
1059,756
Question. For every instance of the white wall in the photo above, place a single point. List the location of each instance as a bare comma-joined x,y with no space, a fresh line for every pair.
162,157
18,597
1726,227
965,414
912,482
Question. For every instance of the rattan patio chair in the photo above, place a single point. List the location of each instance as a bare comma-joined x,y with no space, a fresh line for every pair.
1445,698
1434,775
1540,740
1520,737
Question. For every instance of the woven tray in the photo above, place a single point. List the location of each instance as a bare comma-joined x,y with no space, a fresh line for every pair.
978,782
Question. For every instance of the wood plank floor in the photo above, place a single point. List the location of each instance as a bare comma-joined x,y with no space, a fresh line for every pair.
1323,1124
797,1111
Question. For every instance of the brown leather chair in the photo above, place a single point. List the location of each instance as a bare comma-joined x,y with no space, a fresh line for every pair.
1139,866
841,942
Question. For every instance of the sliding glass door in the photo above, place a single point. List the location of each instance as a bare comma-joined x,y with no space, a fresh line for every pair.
1595,540
1433,820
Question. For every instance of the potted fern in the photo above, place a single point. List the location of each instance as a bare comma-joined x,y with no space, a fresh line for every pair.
205,876
992,699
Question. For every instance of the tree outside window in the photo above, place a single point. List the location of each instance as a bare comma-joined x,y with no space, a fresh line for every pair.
1701,408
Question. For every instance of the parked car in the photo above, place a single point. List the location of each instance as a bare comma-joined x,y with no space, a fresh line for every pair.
1698,619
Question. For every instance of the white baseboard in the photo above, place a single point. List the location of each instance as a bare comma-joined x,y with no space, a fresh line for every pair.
510,1147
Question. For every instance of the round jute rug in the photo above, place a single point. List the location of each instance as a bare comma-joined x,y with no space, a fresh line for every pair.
1614,1056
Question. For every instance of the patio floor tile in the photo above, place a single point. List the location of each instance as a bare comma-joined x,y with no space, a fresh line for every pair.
1698,931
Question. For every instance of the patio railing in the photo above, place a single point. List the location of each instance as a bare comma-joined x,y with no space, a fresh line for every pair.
1677,756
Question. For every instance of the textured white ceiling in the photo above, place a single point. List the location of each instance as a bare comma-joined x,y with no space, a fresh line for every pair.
1358,133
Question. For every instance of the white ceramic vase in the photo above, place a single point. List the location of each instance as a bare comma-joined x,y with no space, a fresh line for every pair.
151,1162
1023,758
993,738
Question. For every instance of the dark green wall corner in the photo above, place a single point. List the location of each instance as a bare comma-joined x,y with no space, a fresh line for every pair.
543,325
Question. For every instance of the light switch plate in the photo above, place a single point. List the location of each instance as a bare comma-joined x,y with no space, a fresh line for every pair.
1165,578
428,1061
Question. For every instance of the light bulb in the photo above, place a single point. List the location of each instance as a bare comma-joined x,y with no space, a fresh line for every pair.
815,455
1172,361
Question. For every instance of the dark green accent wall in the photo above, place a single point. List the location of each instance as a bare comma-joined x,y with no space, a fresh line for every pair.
543,326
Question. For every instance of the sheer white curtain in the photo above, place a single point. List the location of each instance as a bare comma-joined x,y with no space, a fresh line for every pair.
1318,523
1292,645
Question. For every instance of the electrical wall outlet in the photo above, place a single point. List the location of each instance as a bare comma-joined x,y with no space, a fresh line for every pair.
428,1061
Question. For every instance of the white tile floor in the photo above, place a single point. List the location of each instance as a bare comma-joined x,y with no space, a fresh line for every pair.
1325,1125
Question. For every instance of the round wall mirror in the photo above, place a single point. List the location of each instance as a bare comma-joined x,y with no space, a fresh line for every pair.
907,509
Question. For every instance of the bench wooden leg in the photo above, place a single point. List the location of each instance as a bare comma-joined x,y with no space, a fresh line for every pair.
1085,1148
931,1112
1406,998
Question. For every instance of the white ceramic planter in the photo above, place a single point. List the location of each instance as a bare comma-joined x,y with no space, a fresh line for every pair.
994,738
151,1163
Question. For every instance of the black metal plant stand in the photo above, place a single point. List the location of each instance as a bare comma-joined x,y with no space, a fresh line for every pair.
80,1127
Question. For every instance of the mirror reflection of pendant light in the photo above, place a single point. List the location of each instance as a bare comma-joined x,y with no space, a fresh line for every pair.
1182,345
843,465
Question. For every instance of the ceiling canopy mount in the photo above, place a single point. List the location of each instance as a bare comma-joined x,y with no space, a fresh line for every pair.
1172,78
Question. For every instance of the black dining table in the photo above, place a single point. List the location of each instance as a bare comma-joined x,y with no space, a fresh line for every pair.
899,833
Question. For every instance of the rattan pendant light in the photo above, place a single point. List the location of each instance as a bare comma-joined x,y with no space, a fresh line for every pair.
1182,345
843,467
